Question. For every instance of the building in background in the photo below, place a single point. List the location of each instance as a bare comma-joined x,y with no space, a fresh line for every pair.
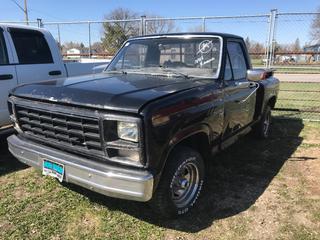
315,48
73,53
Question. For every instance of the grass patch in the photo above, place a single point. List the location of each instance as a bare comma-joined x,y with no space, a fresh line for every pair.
300,96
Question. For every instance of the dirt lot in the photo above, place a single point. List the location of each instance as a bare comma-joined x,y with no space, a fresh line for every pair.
255,190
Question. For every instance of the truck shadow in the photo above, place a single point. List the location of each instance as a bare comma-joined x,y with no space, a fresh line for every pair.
8,163
236,179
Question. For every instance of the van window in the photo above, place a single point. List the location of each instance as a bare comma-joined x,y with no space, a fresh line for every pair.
31,47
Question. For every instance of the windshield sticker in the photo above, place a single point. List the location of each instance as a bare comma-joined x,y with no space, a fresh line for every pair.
205,46
201,61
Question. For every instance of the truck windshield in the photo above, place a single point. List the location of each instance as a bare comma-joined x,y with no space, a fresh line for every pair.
184,57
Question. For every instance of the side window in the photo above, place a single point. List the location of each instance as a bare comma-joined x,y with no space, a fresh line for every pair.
237,60
31,47
227,70
3,50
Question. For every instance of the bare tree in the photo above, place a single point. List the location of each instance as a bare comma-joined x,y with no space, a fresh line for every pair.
97,47
315,28
160,25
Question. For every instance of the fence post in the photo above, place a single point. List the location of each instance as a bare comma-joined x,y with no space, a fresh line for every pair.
271,42
59,37
203,24
273,36
89,31
143,26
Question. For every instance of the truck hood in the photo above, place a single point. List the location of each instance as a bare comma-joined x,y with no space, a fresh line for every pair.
105,91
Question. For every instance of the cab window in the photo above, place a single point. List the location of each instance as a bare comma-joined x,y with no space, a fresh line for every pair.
237,60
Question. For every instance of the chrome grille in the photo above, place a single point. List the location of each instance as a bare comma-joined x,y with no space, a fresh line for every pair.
59,128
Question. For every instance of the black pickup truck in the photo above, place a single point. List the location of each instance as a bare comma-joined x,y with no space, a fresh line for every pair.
147,126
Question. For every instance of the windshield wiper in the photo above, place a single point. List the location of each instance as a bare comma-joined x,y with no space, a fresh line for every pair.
170,70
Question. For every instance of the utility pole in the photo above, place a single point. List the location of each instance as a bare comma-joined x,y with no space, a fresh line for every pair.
25,9
26,12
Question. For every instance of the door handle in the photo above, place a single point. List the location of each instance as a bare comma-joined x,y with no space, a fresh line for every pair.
253,91
6,76
242,84
54,73
252,84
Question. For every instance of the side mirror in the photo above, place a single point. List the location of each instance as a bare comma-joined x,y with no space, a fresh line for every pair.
259,74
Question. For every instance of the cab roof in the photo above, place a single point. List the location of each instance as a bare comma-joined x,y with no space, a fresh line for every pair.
223,35
6,26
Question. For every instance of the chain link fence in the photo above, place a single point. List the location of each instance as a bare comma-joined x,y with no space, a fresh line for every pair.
296,50
282,41
299,100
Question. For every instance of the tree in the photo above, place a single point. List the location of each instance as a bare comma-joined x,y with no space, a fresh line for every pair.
296,45
256,47
159,25
115,33
315,28
97,47
248,43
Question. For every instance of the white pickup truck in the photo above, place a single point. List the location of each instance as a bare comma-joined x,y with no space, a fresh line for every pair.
29,54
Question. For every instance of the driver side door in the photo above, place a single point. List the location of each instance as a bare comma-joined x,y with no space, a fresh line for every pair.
239,93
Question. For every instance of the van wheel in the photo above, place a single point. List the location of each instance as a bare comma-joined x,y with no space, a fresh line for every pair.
262,129
180,183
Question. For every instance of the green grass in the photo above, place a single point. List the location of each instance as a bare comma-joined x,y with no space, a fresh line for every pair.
303,96
297,70
253,188
37,207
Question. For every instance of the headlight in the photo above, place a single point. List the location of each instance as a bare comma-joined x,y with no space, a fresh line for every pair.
128,131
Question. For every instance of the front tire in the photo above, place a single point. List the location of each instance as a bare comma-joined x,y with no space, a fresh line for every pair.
180,184
262,129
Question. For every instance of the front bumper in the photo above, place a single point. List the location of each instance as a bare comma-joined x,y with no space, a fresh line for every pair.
107,180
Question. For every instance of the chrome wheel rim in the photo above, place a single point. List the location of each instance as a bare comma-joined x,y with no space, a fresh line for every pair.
266,124
185,184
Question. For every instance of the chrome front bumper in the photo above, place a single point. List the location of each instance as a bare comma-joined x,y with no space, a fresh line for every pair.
108,180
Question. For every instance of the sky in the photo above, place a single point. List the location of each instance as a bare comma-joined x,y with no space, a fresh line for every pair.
288,29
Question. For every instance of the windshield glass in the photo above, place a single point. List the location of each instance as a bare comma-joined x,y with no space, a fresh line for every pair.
186,57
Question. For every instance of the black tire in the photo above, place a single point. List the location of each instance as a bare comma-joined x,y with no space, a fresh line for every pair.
262,128
167,201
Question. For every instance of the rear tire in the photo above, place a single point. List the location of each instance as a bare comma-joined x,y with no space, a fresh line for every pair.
262,129
180,183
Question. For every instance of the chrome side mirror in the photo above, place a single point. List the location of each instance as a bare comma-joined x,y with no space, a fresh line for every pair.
259,74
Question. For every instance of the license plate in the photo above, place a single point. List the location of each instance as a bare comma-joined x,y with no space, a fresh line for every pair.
53,169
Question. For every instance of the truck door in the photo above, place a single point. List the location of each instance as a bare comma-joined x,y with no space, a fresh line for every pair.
239,93
8,78
36,55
